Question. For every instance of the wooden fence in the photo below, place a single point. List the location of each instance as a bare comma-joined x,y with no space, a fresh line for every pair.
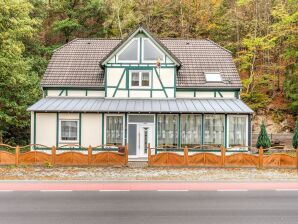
14,156
209,159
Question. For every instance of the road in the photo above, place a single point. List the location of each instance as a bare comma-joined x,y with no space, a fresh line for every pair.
142,207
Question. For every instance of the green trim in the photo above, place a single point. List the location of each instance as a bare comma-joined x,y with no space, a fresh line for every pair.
105,81
202,127
179,130
66,93
220,94
119,83
151,88
57,130
183,89
80,128
61,92
155,130
46,92
165,92
140,65
125,129
86,94
214,93
226,129
34,128
74,88
175,81
102,129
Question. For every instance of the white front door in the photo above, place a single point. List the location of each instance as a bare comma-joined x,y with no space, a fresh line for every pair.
145,137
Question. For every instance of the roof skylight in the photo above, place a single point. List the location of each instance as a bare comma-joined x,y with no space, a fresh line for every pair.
213,77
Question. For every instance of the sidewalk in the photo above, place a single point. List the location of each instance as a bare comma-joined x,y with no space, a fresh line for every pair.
147,174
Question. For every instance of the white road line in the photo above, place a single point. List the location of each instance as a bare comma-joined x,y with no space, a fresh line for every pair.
55,190
172,190
6,190
287,189
230,190
114,190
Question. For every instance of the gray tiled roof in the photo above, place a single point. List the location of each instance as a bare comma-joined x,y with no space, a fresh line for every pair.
112,105
77,64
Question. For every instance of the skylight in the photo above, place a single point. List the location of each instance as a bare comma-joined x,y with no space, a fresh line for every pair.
213,77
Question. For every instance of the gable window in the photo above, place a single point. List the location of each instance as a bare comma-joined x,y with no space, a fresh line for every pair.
130,53
69,130
213,77
151,52
140,79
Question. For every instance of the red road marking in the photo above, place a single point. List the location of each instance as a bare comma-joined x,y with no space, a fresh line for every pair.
146,186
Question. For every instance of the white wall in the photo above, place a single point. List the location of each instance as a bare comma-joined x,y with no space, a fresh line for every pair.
45,129
91,129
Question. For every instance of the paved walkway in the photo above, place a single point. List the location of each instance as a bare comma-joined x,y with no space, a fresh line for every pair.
145,186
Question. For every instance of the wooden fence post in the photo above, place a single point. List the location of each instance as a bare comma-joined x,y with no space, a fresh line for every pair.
261,153
149,154
17,155
297,158
223,156
186,156
126,155
89,155
53,155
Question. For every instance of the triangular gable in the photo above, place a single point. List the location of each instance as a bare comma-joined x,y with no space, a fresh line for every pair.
129,40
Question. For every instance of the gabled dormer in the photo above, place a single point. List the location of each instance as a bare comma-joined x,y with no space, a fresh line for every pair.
140,66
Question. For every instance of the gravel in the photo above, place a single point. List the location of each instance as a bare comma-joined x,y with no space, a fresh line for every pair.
145,173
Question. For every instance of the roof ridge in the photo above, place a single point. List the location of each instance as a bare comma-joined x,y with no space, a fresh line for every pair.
211,41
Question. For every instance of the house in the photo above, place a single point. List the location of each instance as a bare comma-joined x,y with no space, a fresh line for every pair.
141,90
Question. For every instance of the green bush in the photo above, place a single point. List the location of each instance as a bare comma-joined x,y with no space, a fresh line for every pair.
295,137
263,138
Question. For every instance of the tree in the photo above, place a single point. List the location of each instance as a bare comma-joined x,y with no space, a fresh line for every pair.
263,139
295,137
18,86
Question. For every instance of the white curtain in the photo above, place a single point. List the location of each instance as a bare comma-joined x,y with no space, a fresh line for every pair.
237,131
191,129
214,129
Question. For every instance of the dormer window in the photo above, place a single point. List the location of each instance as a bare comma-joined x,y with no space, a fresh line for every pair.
213,77
150,52
130,53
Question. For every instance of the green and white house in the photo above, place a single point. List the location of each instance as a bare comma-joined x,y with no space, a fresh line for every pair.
140,90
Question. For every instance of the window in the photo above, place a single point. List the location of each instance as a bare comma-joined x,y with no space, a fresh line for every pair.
135,79
191,129
140,79
237,131
214,130
145,78
130,52
213,77
167,129
150,52
114,130
69,130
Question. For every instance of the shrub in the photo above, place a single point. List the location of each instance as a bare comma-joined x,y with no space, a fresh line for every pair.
263,138
295,137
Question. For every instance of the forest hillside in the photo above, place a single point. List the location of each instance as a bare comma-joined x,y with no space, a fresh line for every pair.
261,34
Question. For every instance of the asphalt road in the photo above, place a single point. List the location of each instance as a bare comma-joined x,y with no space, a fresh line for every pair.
138,207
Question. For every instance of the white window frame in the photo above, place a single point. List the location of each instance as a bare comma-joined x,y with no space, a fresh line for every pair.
105,127
60,131
143,52
228,128
140,79
213,73
129,61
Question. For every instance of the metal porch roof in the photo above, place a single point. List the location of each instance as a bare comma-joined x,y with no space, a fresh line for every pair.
112,105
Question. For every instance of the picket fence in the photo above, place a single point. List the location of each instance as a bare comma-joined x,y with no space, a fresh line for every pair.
193,158
74,155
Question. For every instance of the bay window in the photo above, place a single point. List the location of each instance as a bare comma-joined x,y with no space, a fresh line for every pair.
167,129
237,130
191,130
114,130
214,129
